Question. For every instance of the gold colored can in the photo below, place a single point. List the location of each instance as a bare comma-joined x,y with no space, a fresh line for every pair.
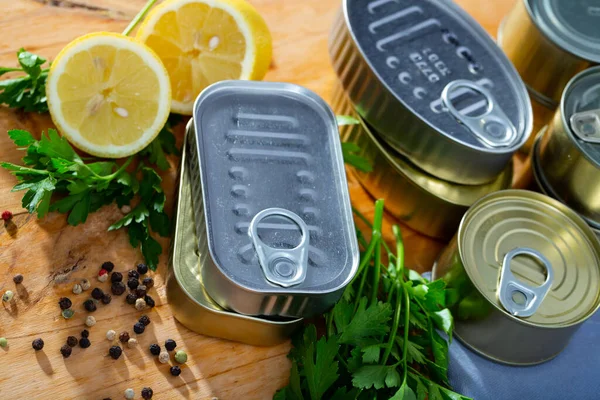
523,273
187,297
569,153
542,115
425,203
549,42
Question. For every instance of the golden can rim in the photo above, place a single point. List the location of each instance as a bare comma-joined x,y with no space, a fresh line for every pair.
578,226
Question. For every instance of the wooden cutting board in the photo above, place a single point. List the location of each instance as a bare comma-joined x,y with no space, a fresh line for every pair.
49,249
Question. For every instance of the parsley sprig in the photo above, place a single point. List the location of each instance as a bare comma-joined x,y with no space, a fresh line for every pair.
26,92
381,339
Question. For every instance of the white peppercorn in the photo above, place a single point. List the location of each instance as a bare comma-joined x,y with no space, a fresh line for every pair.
77,289
85,284
129,394
8,296
110,335
131,343
140,304
90,321
163,357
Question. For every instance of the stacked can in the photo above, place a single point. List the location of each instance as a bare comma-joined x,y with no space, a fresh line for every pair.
263,184
566,154
436,97
549,42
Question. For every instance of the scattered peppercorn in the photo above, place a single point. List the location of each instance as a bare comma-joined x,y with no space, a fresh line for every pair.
103,275
7,296
77,289
133,274
118,288
3,342
131,298
64,303
18,278
84,343
124,337
110,334
170,344
163,357
175,370
89,305
140,304
65,350
147,393
181,357
85,333
131,343
90,321
115,352
144,319
106,299
7,216
149,301
108,266
154,349
68,313
148,282
139,328
116,277
140,292
85,284
97,293
129,394
72,341
133,283
37,344
142,269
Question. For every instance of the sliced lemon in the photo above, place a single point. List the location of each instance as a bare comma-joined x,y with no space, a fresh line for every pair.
205,41
108,94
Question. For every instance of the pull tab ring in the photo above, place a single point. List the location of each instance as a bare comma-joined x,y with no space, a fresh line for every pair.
283,267
493,128
586,125
518,298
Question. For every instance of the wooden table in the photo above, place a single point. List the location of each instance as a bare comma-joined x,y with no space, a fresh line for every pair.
47,249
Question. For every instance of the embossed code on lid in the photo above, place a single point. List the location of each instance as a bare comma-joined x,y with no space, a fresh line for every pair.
417,48
274,146
512,219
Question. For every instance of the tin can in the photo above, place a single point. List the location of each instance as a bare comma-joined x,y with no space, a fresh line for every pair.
562,39
433,85
569,153
271,195
187,297
425,203
523,273
542,115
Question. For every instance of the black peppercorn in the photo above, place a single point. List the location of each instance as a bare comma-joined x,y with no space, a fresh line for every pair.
85,333
65,303
108,266
139,328
115,352
149,301
118,288
72,341
144,319
131,298
148,282
65,350
89,305
133,283
124,337
116,277
155,349
142,269
147,393
140,292
84,343
97,293
106,299
19,278
133,274
175,370
170,344
37,344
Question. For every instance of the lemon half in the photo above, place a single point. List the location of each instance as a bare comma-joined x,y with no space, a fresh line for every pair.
202,42
108,94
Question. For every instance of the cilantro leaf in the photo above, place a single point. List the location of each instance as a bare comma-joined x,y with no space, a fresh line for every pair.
367,322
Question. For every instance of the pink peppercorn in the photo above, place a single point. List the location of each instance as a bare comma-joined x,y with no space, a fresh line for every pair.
7,216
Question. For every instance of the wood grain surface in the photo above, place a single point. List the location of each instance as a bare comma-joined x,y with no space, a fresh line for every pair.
49,251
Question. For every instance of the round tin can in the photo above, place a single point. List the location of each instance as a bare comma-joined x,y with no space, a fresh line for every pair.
523,273
190,303
433,85
562,39
569,153
425,203
542,115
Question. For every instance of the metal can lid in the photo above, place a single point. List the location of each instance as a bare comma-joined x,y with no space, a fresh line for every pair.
504,221
572,25
580,109
441,65
275,195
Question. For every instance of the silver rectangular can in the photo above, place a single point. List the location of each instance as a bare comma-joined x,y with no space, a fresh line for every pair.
433,84
270,191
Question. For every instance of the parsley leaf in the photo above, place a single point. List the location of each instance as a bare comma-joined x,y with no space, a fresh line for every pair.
404,393
349,151
27,92
367,322
164,144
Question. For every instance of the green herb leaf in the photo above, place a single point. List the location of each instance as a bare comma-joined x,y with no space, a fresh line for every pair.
392,379
371,354
164,144
444,321
349,151
367,323
414,352
27,92
404,393
319,363
343,120
370,376
21,137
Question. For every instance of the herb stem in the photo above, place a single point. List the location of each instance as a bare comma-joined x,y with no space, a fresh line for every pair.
377,224
396,322
138,17
329,319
